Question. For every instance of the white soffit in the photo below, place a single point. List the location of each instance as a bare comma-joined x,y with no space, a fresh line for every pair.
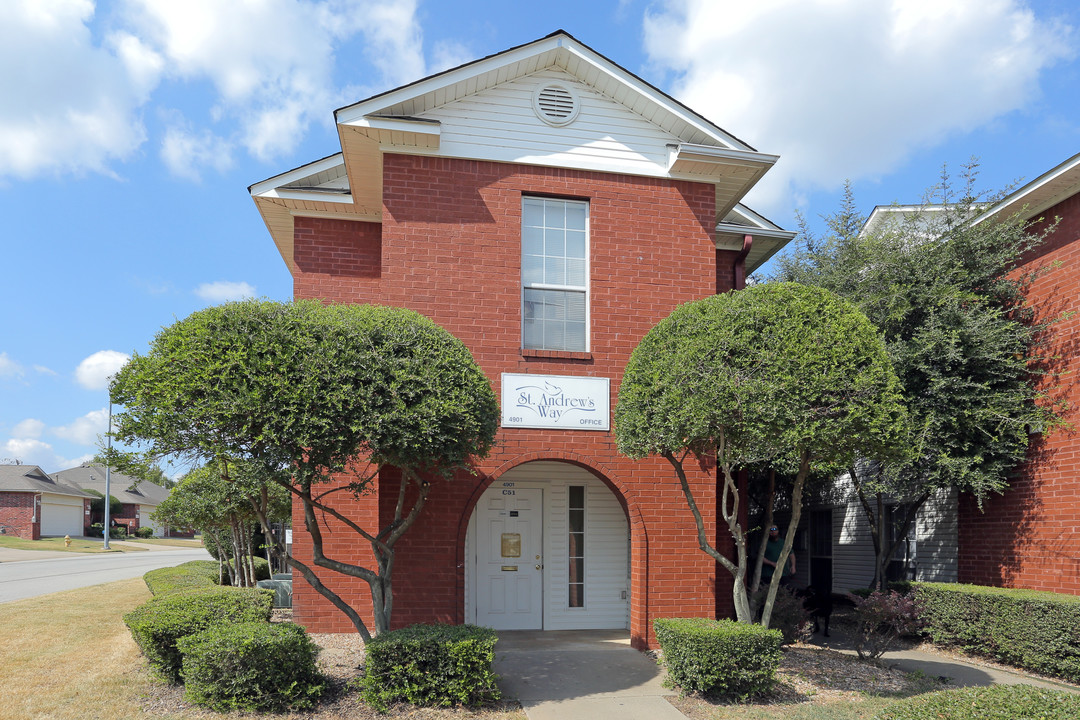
768,237
1040,194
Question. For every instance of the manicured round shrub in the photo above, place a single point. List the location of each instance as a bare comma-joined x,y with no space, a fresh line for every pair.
998,702
160,623
439,665
251,666
719,658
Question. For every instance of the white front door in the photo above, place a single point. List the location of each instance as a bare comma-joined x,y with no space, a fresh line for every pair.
509,559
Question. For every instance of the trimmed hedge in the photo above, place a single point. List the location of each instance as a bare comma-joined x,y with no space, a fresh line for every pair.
158,624
439,665
718,657
251,666
194,575
1038,631
997,702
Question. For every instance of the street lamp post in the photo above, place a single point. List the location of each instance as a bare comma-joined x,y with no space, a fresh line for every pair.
108,467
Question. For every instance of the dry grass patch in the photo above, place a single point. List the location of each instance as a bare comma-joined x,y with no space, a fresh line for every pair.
69,656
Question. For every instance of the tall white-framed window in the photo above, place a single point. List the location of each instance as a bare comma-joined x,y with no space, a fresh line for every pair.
554,274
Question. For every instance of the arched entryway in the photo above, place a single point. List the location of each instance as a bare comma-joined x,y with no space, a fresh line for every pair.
548,548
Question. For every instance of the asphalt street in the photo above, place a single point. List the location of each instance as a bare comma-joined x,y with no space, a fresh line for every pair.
28,578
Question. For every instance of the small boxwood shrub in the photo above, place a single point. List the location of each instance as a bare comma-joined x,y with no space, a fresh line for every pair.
997,702
159,623
1039,631
251,666
194,575
719,658
439,665
144,532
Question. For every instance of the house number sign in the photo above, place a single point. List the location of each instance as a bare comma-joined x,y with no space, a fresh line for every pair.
554,401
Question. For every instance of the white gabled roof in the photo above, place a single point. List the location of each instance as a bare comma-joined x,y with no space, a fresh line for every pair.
559,49
483,110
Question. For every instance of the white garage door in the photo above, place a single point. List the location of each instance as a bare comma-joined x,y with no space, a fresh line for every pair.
61,516
145,521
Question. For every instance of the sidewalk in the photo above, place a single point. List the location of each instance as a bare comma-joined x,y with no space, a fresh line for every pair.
581,675
960,672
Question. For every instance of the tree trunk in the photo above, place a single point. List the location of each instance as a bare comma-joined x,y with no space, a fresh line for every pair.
789,537
770,500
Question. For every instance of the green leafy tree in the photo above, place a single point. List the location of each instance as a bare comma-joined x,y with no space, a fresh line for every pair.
310,393
220,499
947,292
131,464
779,374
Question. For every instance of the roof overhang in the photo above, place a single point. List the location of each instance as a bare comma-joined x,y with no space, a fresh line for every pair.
1039,195
768,237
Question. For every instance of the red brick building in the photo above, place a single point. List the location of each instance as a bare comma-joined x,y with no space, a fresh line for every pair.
34,504
547,207
1029,537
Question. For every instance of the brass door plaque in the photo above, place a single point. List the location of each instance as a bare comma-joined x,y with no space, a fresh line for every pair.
511,544
509,568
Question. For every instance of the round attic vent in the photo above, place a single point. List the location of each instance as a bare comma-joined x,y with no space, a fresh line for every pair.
556,104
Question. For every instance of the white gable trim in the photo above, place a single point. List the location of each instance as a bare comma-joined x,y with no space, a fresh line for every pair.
560,50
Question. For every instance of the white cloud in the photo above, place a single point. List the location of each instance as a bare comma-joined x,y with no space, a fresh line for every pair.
223,291
41,369
31,451
95,371
75,104
28,428
272,62
186,152
70,107
84,430
10,368
848,89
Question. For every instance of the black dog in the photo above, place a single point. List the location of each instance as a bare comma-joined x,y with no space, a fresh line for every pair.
818,605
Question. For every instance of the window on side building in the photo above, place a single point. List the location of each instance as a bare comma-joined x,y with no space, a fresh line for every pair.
554,274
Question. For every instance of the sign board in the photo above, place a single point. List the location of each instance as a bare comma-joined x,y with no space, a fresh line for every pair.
554,401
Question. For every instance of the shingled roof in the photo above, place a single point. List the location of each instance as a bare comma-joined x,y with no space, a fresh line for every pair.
31,478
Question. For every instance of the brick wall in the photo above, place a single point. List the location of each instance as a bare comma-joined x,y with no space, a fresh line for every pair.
17,514
1029,537
450,249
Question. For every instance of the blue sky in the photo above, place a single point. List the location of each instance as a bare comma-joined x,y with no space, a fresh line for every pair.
131,129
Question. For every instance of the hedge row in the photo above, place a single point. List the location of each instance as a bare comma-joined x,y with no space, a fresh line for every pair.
997,702
719,657
158,624
194,575
1039,631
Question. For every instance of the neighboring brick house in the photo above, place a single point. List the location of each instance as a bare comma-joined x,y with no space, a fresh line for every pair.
1029,537
138,497
34,505
547,207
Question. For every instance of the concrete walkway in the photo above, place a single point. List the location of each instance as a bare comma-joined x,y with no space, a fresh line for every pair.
596,675
581,675
960,672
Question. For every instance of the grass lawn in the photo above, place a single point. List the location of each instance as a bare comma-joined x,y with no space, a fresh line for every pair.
69,656
175,542
55,544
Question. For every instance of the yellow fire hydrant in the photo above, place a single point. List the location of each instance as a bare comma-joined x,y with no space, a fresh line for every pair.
67,541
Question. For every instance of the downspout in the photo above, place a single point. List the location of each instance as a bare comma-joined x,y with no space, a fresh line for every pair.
738,269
